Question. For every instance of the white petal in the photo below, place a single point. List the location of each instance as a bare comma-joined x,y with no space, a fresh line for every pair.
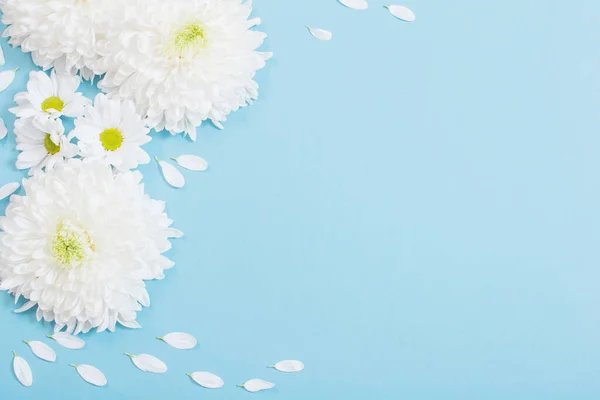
171,174
191,162
320,34
148,363
355,4
25,307
22,370
91,374
207,380
256,385
6,78
3,130
179,340
2,59
129,324
42,350
67,340
401,12
289,366
8,189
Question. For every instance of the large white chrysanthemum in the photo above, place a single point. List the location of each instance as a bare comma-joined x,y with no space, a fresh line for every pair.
183,61
80,244
60,33
112,131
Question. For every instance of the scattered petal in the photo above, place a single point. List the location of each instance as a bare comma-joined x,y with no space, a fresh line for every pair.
355,4
171,174
42,350
256,385
91,374
67,340
289,366
179,340
191,162
6,78
22,370
8,189
148,363
25,307
402,12
207,380
320,34
2,59
3,130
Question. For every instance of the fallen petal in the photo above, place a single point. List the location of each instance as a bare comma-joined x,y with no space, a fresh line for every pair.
42,350
355,4
179,340
402,12
191,162
320,34
22,370
8,189
91,374
67,340
256,385
289,366
171,174
6,78
148,363
3,130
207,380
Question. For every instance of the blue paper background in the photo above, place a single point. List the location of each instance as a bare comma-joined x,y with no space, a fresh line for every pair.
413,210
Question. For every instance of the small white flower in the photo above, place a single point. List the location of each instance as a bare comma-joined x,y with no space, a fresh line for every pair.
112,131
50,96
42,143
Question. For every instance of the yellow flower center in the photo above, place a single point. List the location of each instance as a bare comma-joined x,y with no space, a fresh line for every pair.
53,103
51,147
71,245
111,139
189,40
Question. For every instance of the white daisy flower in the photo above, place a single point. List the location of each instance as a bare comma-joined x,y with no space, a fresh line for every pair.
50,96
183,61
80,243
42,143
112,130
59,34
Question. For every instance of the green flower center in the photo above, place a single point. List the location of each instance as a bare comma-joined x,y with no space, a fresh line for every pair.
71,245
111,139
51,147
189,39
53,103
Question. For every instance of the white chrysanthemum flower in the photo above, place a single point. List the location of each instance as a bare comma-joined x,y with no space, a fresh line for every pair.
80,244
113,131
42,143
183,61
59,34
50,96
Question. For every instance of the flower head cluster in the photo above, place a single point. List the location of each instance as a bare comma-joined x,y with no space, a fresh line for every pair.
39,130
110,130
181,61
80,244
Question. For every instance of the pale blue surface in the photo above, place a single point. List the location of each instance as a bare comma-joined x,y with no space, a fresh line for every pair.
413,210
